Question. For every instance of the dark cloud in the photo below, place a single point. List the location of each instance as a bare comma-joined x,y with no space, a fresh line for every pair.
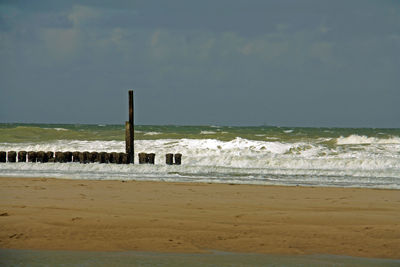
327,63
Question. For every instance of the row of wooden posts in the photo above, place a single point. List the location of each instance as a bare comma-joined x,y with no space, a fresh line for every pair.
84,157
89,157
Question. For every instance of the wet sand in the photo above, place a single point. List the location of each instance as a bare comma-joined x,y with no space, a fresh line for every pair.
32,258
61,214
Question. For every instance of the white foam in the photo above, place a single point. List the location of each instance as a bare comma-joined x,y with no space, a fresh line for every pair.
357,139
188,173
57,129
239,161
152,133
66,145
207,132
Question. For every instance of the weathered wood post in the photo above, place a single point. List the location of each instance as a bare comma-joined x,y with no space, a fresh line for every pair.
128,143
59,157
41,157
93,157
50,156
82,157
75,156
106,157
113,157
169,158
89,157
86,155
101,157
142,158
21,156
123,157
178,159
31,156
68,156
150,158
45,157
130,131
3,156
12,156
117,157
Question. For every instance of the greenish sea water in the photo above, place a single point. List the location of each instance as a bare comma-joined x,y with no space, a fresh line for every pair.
344,157
9,257
16,132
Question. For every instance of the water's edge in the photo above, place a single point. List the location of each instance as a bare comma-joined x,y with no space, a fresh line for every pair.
15,257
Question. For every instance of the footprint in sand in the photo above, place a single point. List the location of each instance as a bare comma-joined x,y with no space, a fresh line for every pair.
16,236
19,206
39,188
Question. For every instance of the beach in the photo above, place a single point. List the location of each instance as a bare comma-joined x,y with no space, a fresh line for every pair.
119,215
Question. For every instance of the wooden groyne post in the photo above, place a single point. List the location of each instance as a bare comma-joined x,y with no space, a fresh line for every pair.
3,156
130,131
146,158
12,156
169,159
22,156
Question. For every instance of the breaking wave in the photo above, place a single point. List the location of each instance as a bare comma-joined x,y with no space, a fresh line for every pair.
355,161
361,140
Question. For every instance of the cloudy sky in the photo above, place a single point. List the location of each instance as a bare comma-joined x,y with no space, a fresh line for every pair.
226,62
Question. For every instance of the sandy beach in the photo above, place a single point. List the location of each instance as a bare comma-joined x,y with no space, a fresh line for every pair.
62,214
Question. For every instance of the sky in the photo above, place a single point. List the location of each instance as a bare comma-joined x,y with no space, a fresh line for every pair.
312,63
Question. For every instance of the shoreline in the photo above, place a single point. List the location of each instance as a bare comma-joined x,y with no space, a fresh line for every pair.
13,257
166,180
116,215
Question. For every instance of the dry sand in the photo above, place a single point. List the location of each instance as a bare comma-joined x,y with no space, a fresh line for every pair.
63,214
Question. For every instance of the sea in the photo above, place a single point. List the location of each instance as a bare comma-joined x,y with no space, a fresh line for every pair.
265,155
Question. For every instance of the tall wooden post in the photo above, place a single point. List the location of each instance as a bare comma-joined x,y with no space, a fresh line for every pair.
128,139
130,131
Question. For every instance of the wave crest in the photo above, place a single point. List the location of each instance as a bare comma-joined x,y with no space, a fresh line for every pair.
364,140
